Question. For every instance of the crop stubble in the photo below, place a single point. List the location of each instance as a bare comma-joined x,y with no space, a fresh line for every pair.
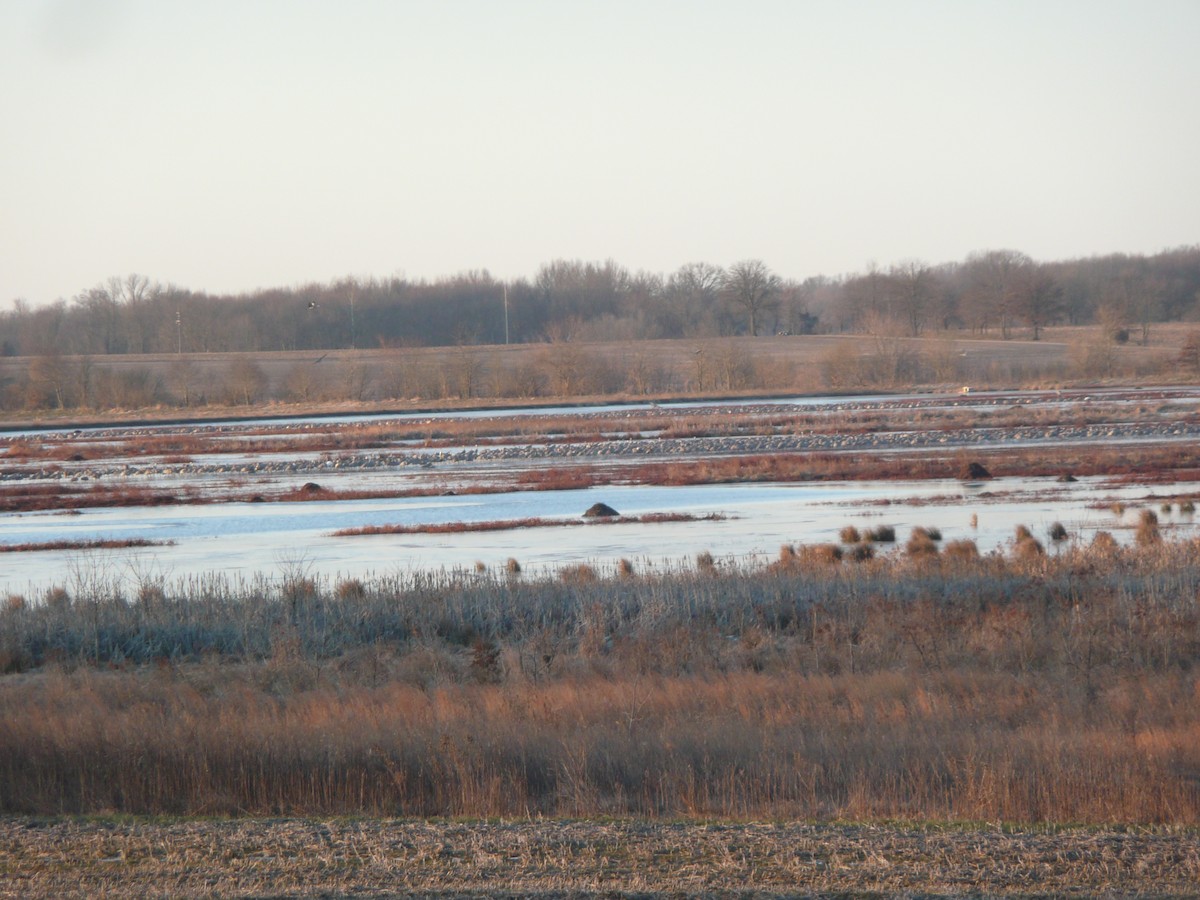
292,857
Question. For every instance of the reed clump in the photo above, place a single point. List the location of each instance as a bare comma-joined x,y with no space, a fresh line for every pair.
1147,533
881,534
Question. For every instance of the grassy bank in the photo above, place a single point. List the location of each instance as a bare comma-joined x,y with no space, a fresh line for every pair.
919,685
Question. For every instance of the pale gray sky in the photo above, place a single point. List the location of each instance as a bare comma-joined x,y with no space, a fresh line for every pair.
225,146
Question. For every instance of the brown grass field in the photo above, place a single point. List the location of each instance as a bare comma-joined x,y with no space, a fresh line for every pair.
197,385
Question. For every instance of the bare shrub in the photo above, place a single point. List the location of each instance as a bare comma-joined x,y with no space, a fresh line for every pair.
485,662
861,552
350,589
1058,532
1028,548
961,551
882,534
1103,543
816,555
580,573
246,382
1147,533
921,545
625,568
850,535
57,598
512,566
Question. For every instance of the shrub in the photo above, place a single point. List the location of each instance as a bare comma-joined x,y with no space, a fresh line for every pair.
578,574
1147,532
57,598
625,568
861,552
820,554
1187,507
1058,532
882,534
850,535
920,544
1104,543
961,551
705,562
1029,548
351,589
512,567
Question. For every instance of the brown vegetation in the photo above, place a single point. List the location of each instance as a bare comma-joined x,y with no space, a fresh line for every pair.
513,524
97,544
954,687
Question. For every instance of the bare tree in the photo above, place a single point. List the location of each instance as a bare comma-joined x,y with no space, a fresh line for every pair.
990,296
1038,298
1138,296
912,289
689,301
246,380
753,288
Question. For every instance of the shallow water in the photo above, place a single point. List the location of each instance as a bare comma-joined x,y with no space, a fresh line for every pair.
245,539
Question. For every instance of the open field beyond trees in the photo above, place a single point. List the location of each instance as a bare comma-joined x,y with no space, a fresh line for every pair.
84,388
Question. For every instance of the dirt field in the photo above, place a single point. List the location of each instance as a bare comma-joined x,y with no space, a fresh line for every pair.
342,858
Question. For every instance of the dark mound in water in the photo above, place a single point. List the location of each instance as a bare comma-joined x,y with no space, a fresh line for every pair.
1067,478
974,472
600,511
311,487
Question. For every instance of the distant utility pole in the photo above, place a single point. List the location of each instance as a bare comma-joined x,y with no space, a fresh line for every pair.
506,315
178,333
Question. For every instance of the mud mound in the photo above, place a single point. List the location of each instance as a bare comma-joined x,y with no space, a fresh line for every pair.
974,472
600,511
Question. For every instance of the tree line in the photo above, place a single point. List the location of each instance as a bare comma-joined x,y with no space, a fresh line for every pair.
990,292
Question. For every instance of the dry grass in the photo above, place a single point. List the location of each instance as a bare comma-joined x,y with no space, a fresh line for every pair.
954,687
516,524
97,544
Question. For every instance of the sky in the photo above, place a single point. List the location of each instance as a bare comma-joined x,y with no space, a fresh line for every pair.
231,145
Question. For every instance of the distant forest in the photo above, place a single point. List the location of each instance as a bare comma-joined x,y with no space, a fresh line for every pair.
999,292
